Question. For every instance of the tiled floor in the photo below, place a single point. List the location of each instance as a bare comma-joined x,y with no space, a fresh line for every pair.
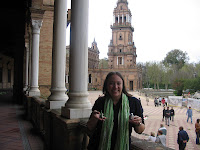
16,133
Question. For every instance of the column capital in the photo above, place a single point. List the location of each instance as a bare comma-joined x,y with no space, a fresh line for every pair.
36,24
27,47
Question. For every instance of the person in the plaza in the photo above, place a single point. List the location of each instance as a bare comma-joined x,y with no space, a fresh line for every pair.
197,130
161,138
110,121
164,110
163,101
189,114
166,101
167,116
160,100
156,102
182,139
152,137
147,100
163,129
172,114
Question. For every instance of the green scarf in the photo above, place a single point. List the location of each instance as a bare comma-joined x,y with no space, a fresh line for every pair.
122,142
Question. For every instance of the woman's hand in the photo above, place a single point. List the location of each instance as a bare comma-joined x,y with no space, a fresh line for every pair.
138,125
136,120
95,117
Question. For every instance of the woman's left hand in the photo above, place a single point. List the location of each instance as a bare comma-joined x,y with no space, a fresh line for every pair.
138,125
136,120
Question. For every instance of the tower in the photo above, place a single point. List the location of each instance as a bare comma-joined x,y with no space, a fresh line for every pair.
121,50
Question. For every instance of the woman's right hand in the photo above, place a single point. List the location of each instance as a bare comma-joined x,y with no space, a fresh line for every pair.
97,115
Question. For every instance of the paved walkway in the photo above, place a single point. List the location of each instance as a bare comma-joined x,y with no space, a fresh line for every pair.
154,120
16,133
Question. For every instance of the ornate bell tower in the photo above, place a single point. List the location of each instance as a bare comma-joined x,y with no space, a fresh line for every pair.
121,50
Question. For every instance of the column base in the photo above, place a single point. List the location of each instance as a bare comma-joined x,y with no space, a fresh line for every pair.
71,113
25,88
34,93
54,104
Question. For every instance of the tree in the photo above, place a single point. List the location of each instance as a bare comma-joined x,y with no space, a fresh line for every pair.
153,73
167,76
176,58
103,63
178,86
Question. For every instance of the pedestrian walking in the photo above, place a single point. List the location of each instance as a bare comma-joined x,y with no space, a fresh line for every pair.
160,99
167,116
182,139
197,130
189,113
147,100
156,102
163,114
163,101
161,138
166,100
172,114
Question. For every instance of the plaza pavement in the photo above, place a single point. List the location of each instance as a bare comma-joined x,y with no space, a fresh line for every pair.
154,119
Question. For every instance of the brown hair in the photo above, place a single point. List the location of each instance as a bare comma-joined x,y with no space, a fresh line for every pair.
160,131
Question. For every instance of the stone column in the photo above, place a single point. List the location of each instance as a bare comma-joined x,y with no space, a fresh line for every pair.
26,68
78,105
58,97
113,19
36,25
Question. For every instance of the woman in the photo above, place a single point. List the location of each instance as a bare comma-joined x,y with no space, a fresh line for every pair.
197,130
112,130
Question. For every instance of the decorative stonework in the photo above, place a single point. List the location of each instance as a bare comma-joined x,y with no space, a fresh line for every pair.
36,24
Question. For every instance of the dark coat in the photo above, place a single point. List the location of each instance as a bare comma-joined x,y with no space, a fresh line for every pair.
135,108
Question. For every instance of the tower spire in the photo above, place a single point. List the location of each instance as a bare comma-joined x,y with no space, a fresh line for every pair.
122,1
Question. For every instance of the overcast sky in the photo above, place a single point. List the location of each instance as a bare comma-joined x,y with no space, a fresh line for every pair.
160,26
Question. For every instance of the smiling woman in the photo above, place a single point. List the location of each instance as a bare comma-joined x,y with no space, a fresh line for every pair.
113,130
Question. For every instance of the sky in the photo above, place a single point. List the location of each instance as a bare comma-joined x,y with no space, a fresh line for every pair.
159,27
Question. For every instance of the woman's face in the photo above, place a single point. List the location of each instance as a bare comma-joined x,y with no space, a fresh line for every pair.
114,86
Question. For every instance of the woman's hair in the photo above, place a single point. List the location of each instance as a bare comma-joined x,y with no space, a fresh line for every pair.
105,90
198,120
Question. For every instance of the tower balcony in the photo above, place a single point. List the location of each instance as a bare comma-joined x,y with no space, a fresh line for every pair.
121,53
121,25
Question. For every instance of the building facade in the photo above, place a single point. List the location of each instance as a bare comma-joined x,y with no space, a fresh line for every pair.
121,52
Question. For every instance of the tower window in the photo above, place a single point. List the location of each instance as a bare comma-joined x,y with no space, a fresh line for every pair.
120,50
116,19
120,37
121,7
120,60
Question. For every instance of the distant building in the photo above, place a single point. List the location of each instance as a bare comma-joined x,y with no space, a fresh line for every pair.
121,53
